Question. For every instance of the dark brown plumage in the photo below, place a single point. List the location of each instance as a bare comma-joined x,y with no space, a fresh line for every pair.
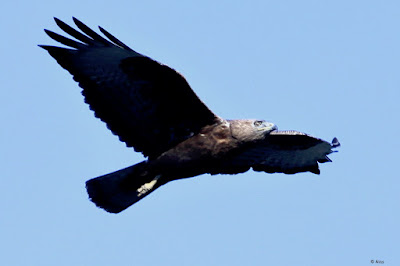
152,108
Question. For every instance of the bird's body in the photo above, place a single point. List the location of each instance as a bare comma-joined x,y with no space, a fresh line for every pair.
209,151
152,108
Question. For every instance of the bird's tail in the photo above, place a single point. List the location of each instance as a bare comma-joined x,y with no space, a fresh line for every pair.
117,191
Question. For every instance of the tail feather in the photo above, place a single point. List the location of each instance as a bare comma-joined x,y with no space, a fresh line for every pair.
117,191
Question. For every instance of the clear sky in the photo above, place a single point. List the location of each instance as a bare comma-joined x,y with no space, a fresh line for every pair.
328,68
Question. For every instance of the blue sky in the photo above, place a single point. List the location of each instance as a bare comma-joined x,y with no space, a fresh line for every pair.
330,69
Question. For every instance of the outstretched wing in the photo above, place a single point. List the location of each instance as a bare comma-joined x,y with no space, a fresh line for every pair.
286,152
148,105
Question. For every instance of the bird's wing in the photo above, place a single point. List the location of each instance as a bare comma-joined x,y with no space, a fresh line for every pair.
286,152
150,106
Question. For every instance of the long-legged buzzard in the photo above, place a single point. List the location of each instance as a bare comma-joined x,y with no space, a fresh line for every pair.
152,108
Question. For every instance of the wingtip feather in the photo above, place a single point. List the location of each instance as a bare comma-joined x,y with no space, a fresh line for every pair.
76,21
335,143
114,39
64,40
57,20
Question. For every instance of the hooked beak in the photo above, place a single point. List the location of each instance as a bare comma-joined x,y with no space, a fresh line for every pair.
267,126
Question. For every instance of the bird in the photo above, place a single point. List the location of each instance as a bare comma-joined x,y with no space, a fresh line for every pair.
152,109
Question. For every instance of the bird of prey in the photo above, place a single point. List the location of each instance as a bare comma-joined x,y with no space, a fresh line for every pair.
152,108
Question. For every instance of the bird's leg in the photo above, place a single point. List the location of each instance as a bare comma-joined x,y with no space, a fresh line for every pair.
147,186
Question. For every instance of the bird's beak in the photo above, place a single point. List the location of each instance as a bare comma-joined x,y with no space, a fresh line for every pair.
269,127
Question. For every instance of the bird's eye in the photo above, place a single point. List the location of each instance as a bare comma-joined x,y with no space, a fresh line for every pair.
258,123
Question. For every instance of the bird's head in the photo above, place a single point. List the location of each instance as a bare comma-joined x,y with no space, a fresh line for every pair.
251,129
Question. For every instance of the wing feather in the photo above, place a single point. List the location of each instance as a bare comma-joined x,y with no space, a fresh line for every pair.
114,40
73,32
148,105
286,152
91,33
66,41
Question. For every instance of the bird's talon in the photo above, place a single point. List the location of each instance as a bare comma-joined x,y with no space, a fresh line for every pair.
147,187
